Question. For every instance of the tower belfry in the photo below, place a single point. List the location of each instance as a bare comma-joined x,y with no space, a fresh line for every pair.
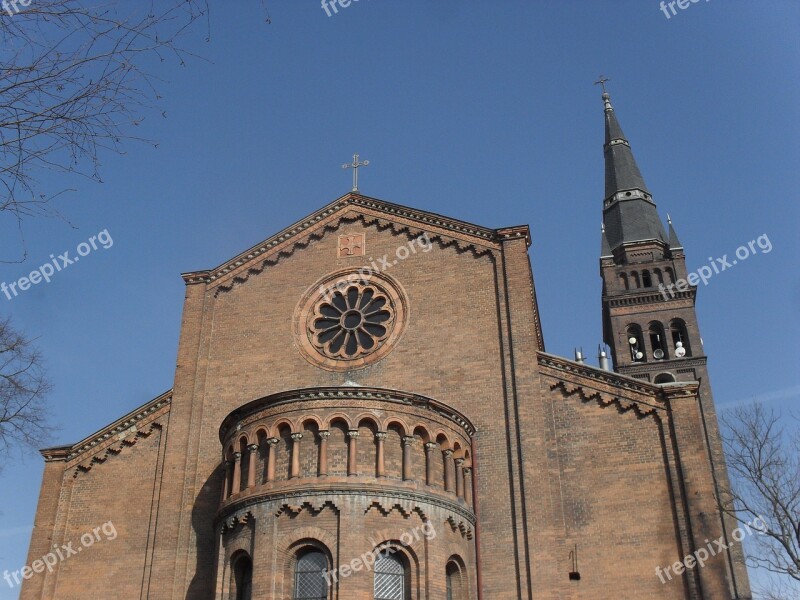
652,328
651,333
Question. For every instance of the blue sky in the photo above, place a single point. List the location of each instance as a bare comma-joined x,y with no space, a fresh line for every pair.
485,112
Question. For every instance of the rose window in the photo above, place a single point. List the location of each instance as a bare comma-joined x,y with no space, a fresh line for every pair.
352,322
349,319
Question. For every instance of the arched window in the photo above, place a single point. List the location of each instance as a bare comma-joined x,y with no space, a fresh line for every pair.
309,576
624,278
456,584
635,279
391,577
659,276
242,577
647,281
670,274
664,378
635,342
658,341
680,338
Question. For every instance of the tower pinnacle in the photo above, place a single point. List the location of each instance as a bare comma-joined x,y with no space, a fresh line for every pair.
629,213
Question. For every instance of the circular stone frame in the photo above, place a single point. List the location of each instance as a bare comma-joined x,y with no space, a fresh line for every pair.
310,310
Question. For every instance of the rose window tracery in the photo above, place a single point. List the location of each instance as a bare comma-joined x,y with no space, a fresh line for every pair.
349,319
352,322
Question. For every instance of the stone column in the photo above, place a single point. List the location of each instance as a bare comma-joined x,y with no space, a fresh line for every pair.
352,450
381,438
251,467
407,442
468,485
237,473
429,448
460,477
448,471
227,484
296,437
271,444
323,452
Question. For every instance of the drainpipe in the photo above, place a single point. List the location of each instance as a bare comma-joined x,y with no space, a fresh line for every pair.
477,519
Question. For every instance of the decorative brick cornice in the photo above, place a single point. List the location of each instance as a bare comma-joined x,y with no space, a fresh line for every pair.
609,378
296,509
344,393
371,211
647,297
85,464
664,365
113,438
642,409
235,520
56,453
613,389
460,527
297,499
515,233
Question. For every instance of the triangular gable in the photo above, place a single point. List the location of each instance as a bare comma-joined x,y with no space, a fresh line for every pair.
350,208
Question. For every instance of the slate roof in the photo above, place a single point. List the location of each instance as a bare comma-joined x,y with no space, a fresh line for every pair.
628,217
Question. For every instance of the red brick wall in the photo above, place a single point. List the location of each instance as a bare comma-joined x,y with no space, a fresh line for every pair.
550,469
121,491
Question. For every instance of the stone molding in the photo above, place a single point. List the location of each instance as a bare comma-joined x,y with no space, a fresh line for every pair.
401,219
114,438
343,393
316,500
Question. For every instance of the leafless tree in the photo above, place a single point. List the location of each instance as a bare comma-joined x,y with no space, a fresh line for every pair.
75,76
763,456
23,387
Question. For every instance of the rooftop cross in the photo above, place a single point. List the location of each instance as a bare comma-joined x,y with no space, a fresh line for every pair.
602,82
355,166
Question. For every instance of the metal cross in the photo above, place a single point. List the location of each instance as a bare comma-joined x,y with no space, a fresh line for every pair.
355,165
602,83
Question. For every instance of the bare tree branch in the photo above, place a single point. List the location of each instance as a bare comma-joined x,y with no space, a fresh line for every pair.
764,463
76,75
23,387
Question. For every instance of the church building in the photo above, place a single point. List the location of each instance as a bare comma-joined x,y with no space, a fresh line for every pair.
364,409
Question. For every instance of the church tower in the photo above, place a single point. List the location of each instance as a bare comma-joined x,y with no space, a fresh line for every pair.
649,322
649,317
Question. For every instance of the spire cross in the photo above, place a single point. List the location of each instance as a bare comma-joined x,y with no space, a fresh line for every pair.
602,82
355,166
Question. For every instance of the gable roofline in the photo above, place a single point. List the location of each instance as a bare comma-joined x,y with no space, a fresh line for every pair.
476,235
121,425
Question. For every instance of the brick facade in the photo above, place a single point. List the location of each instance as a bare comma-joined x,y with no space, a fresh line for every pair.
465,426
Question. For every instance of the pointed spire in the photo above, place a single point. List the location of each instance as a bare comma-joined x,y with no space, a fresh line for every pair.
605,247
622,172
674,242
629,213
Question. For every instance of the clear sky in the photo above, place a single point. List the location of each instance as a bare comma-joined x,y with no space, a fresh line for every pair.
483,111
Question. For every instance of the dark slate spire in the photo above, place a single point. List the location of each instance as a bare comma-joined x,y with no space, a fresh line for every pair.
674,242
622,173
605,247
629,213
